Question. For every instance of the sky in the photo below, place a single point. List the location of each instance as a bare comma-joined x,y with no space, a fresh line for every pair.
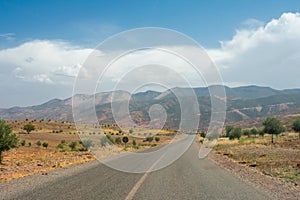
43,44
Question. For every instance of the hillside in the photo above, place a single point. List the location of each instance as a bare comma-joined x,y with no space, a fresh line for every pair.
243,103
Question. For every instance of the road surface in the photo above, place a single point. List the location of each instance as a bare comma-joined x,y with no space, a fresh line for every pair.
187,178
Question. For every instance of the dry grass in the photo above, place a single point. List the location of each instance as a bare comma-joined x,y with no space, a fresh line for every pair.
281,160
27,159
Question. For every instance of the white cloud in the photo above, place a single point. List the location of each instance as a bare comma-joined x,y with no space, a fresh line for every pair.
43,78
267,55
38,71
43,60
263,54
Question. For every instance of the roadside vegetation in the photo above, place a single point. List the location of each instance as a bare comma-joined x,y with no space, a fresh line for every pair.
31,146
273,149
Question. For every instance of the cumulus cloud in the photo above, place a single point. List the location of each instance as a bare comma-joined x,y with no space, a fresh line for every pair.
268,55
47,68
259,53
42,60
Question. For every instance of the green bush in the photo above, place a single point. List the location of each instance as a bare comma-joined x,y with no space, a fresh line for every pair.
73,146
38,143
149,139
8,140
203,134
23,142
60,146
45,144
134,142
157,139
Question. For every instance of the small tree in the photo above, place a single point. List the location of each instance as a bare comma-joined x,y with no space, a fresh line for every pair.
73,145
38,143
8,140
28,128
228,129
246,132
157,139
130,131
203,134
273,126
236,132
254,131
29,144
261,132
296,126
45,145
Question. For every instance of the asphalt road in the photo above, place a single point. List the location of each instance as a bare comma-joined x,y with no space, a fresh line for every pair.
187,178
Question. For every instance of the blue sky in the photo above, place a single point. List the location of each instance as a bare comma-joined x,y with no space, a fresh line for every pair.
43,44
86,23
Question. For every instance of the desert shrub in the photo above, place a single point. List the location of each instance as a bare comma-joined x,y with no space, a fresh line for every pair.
149,139
157,139
29,144
60,146
118,140
203,134
38,143
73,146
45,144
87,143
23,142
134,142
63,141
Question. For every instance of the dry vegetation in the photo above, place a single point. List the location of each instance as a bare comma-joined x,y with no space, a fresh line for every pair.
280,160
31,158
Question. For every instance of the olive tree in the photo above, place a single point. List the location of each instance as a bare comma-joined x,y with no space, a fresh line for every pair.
8,140
28,128
296,126
273,126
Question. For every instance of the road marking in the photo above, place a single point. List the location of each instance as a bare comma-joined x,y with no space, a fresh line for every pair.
142,179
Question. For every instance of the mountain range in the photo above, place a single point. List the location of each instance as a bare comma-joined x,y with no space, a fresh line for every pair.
243,103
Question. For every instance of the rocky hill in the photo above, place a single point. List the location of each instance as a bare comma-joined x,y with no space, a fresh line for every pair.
243,103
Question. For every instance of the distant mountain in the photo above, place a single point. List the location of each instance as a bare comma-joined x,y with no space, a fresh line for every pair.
243,103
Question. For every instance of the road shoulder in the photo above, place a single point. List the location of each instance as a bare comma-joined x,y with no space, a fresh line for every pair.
272,186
